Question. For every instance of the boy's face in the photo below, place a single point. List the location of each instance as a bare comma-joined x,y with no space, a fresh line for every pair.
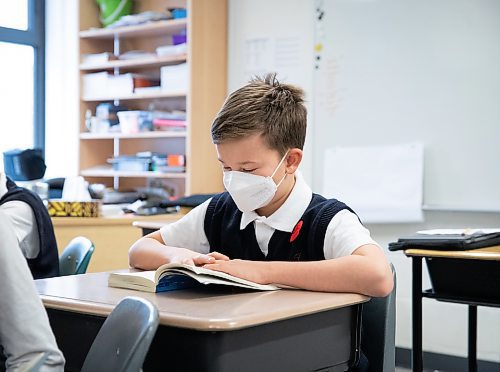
250,155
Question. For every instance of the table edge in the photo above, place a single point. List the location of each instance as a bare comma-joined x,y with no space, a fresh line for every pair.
185,321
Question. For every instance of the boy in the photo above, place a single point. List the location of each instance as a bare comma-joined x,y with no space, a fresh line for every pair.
25,333
32,227
269,227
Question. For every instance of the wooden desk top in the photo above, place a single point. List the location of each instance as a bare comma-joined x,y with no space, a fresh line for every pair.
489,253
127,219
202,309
153,225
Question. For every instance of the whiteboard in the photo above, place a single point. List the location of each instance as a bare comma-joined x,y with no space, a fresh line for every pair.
391,71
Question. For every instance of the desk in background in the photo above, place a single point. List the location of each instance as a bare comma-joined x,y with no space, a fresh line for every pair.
214,329
112,236
148,227
467,277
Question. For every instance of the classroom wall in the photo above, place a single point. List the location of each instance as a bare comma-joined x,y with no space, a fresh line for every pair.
268,36
62,88
445,329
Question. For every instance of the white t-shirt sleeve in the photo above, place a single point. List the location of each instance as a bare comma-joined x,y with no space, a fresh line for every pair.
24,223
189,231
344,235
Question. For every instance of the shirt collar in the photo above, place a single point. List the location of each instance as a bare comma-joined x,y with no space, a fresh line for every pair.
287,216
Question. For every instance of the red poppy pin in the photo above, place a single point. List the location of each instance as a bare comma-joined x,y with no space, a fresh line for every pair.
296,231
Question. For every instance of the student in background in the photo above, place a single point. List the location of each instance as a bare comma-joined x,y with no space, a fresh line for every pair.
25,333
269,227
32,226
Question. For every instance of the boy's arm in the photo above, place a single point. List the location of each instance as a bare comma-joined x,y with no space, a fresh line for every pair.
150,252
160,247
366,271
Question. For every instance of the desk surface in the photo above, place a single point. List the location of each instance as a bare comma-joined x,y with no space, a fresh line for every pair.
126,219
489,253
202,309
152,225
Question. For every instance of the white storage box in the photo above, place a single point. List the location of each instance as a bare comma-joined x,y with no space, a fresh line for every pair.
175,78
102,84
171,50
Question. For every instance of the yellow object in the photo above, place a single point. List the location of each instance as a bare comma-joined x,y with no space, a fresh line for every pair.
58,208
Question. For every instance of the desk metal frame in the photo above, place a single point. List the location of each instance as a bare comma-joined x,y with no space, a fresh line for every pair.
279,346
418,294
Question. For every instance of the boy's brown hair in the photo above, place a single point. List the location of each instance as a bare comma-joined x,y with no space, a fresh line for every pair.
264,106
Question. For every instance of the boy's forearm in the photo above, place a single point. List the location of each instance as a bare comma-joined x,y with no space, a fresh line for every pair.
149,254
346,274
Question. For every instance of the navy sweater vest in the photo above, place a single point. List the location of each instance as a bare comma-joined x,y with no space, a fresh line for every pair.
46,264
304,243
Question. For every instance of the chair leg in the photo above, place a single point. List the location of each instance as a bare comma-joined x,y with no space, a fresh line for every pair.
417,363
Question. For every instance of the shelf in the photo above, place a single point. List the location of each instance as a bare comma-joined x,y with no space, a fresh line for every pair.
156,134
158,28
136,96
130,64
105,171
201,96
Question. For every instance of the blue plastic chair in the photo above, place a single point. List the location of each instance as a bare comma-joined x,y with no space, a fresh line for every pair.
76,256
379,331
124,339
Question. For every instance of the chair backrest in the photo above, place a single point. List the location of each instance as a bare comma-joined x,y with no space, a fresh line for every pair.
124,339
76,256
379,331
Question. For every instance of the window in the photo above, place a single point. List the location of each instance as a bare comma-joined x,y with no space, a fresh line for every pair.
22,74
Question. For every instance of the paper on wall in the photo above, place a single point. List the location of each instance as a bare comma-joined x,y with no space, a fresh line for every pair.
383,184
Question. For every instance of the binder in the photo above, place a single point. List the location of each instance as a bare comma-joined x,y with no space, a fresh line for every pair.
447,242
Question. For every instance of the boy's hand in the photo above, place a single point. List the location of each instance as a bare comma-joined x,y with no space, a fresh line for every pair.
244,269
188,257
218,256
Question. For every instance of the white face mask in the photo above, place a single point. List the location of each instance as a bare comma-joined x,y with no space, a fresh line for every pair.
250,191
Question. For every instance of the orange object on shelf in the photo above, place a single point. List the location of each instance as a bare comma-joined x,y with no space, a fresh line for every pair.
176,160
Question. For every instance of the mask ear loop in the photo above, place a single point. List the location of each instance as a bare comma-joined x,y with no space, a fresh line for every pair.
281,161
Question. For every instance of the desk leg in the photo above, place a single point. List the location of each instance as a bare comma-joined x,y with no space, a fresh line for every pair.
417,363
472,338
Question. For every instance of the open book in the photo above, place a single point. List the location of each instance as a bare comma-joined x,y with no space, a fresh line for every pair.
174,276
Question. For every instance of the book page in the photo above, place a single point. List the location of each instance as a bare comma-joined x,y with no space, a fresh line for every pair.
207,276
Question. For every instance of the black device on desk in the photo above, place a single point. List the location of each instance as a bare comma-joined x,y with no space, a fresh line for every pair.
155,207
152,209
447,242
190,201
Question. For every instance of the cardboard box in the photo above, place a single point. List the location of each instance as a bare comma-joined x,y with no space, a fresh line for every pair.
60,208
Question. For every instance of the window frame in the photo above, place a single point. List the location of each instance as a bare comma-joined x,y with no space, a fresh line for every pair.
34,36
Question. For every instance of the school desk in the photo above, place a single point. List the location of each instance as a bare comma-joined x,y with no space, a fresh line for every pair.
148,227
467,277
209,329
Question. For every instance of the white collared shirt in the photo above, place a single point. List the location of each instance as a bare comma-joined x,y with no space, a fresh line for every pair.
343,236
23,220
